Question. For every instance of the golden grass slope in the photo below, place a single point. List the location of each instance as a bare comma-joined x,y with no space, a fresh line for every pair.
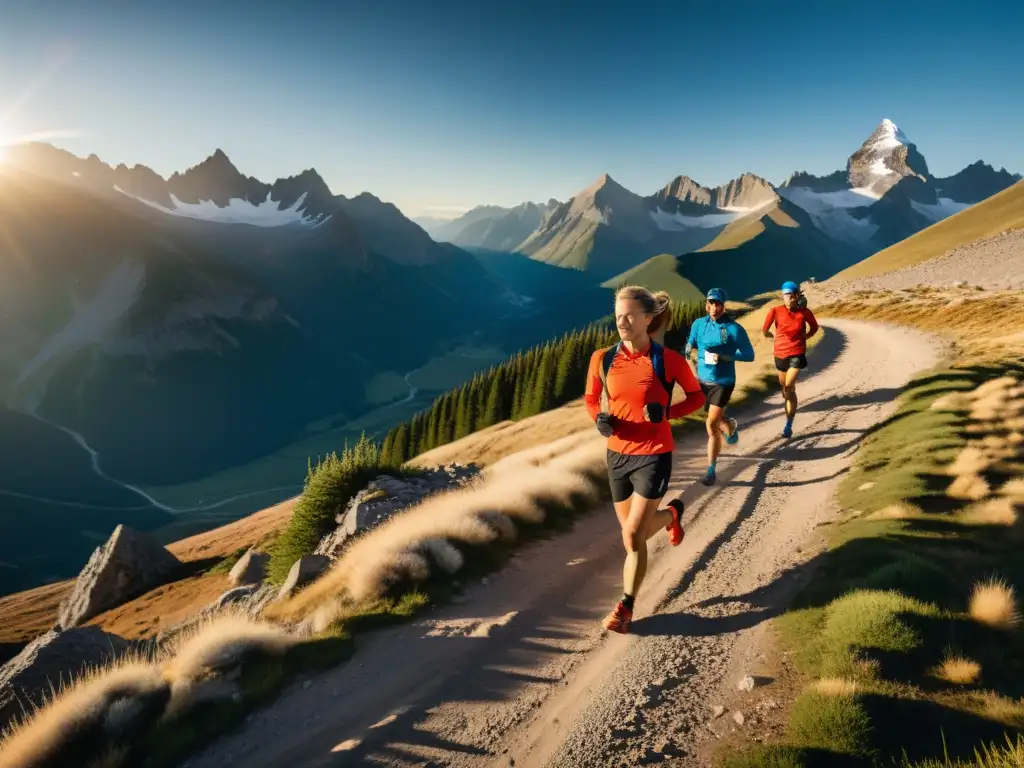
661,272
999,213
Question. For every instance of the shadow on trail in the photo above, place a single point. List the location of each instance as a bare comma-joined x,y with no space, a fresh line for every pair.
711,551
399,736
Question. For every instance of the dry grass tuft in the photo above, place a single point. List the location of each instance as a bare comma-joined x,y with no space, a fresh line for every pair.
970,486
1013,489
994,603
836,686
998,511
1002,386
959,671
899,511
972,460
207,658
116,699
521,488
955,402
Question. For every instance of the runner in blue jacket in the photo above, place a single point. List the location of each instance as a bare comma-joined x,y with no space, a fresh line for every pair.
720,342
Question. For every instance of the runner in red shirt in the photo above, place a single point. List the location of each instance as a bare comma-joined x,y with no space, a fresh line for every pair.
628,395
794,325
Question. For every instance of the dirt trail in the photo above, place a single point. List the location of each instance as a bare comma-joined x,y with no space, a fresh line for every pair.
519,673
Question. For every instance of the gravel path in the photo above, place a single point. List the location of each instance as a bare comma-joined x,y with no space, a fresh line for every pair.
996,263
520,673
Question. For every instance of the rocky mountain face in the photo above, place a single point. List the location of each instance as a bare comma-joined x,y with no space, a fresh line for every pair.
887,157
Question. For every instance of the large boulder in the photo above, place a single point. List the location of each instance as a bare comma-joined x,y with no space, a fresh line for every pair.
50,662
251,568
129,564
387,495
302,572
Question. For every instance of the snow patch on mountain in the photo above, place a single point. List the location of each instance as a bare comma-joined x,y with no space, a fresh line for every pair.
830,211
824,202
677,222
891,136
237,211
941,210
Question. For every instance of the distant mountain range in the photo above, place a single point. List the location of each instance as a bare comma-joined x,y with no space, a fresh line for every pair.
210,315
815,225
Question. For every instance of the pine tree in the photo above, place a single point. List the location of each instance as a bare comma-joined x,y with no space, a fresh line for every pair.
461,428
387,449
430,430
415,427
564,368
492,411
401,443
542,397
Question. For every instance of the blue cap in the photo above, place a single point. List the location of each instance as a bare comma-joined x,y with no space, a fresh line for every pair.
717,294
790,287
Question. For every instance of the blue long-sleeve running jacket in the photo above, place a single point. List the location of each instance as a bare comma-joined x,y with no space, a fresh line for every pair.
724,337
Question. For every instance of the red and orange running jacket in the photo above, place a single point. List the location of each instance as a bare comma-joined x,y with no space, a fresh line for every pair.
632,384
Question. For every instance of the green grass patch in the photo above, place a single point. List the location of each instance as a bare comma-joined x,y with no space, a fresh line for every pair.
832,723
887,610
225,565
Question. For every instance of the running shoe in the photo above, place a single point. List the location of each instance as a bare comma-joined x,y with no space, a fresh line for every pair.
675,528
709,477
618,620
735,429
787,431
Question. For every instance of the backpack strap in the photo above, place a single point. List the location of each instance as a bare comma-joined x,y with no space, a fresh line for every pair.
606,365
658,363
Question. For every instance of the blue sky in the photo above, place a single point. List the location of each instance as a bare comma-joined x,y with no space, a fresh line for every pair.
448,105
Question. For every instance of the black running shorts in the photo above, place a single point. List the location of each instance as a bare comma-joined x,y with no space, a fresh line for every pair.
783,364
717,394
646,476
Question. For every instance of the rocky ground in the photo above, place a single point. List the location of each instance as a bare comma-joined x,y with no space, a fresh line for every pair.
995,263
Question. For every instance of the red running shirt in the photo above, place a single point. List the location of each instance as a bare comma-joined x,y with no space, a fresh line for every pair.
632,384
790,335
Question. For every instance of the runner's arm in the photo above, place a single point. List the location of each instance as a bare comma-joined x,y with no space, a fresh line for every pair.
812,323
691,340
592,396
744,349
766,327
681,373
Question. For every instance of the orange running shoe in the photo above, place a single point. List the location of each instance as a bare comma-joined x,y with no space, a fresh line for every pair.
675,528
618,620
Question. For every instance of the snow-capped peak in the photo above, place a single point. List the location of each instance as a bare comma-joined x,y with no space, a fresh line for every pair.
885,158
889,136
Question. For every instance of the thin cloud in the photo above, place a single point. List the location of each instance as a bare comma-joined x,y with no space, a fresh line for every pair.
60,133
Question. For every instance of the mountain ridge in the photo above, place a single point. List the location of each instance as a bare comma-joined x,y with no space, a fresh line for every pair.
884,193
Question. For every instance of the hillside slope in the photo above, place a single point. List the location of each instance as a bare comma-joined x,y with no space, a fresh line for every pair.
999,213
761,250
660,273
